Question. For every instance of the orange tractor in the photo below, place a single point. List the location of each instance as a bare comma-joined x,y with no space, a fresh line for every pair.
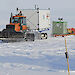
16,28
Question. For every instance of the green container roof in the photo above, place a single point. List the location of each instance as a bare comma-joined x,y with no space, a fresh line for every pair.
59,21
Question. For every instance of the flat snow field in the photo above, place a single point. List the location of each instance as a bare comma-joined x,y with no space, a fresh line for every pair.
41,57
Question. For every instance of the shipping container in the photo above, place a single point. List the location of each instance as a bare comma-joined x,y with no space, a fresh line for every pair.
59,27
37,19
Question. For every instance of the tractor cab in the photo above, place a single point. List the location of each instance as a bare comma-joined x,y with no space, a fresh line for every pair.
17,23
18,19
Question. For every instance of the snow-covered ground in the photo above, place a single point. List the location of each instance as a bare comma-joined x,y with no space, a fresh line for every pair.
41,57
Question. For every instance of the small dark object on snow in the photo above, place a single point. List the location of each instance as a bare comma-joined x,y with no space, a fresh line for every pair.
66,54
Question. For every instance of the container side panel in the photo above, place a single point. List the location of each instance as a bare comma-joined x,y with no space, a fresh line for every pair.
65,28
32,18
44,19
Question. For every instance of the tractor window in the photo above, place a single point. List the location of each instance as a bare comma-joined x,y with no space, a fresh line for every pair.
24,21
15,20
21,20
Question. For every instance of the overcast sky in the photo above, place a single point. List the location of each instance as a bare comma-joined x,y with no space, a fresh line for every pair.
59,8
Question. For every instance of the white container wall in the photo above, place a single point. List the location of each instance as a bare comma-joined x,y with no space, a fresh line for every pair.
44,19
31,18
